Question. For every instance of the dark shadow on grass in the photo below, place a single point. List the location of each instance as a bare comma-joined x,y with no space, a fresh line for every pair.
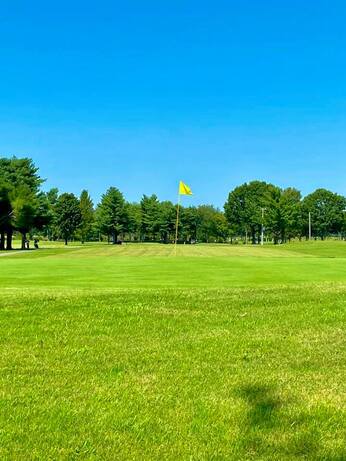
267,421
260,420
263,404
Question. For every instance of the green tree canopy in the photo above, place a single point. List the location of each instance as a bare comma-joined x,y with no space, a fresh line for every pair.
67,215
327,212
20,172
111,213
5,212
167,219
190,220
87,215
244,206
19,176
134,220
150,225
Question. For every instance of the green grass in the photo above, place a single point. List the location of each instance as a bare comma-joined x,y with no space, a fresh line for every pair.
128,352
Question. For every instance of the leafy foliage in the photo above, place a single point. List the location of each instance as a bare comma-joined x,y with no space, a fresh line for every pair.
252,209
67,215
112,213
21,200
87,215
327,212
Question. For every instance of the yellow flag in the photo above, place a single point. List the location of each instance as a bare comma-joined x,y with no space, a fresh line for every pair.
184,189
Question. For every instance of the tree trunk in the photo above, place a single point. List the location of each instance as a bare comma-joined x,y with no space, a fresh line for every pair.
9,239
2,240
114,237
23,240
65,240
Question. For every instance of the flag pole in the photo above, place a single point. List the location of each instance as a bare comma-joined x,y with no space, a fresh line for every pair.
176,226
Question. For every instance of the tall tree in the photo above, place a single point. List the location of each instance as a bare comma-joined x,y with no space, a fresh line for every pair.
221,228
23,182
166,223
52,196
150,207
213,226
43,214
292,213
206,228
20,172
190,220
282,215
244,207
134,220
6,211
24,211
50,199
87,215
327,212
67,215
111,213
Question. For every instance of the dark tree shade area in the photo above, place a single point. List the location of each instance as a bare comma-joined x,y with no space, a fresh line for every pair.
251,211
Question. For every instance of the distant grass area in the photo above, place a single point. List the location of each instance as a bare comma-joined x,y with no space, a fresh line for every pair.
155,266
327,248
128,352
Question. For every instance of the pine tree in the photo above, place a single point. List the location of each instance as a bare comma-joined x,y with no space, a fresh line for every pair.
87,215
111,213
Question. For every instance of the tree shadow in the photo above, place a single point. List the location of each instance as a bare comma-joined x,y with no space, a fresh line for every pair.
263,405
260,420
268,432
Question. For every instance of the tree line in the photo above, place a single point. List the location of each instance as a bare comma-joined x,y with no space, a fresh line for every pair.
250,209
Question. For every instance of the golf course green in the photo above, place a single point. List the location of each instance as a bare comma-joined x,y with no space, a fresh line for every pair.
128,352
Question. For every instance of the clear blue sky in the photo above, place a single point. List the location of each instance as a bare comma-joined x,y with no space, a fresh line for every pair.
140,94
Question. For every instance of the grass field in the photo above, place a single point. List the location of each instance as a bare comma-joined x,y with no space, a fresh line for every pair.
128,352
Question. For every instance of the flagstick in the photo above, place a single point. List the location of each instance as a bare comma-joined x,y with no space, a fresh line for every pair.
176,227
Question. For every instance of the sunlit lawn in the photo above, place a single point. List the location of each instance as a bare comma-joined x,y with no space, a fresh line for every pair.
129,352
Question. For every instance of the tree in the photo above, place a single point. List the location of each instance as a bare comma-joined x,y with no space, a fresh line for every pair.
43,214
23,185
20,172
327,212
111,213
87,215
134,220
150,225
24,204
68,215
282,215
292,213
49,200
52,196
221,229
206,227
190,220
244,205
5,212
236,211
167,219
212,224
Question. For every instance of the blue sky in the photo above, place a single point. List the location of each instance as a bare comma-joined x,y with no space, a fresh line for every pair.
140,94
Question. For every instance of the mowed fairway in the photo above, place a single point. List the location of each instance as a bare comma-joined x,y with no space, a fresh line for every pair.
129,352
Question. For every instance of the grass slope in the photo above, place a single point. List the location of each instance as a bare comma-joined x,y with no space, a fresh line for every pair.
225,353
